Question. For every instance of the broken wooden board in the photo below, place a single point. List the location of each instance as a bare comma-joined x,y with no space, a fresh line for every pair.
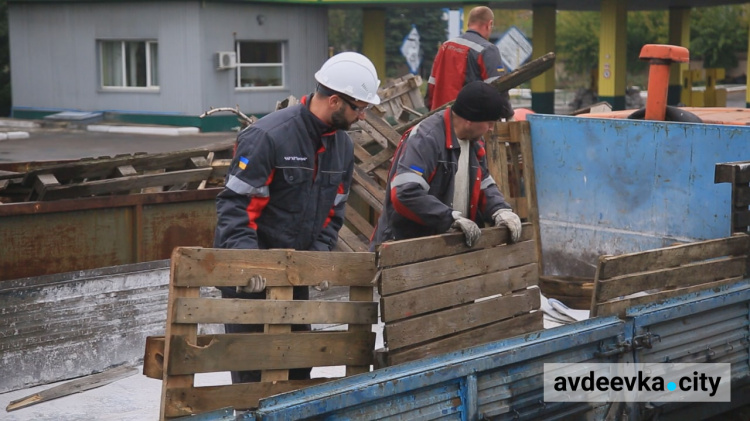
74,386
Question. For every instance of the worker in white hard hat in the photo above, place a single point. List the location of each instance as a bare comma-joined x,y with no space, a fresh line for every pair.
290,176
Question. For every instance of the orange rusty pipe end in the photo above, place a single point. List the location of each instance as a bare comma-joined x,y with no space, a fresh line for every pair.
660,57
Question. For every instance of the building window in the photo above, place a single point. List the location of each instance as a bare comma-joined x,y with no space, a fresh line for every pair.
129,64
260,64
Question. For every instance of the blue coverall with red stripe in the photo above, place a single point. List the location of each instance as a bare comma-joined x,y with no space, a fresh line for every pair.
419,193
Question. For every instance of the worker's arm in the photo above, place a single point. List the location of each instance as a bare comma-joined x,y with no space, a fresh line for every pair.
410,184
329,235
246,192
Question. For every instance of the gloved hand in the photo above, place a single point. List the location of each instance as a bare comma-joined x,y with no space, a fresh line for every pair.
256,283
509,219
469,228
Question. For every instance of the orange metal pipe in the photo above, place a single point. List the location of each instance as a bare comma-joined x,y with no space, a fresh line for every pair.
658,84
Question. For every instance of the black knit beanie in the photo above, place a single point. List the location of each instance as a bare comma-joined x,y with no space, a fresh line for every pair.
478,101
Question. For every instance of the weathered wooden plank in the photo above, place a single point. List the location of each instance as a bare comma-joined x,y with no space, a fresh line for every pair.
429,327
686,275
497,162
449,294
376,160
187,333
358,222
241,396
612,266
93,188
275,293
361,178
355,243
42,183
371,200
125,171
741,196
383,128
230,352
432,272
732,172
618,307
74,386
519,325
420,249
237,311
225,267
521,131
365,296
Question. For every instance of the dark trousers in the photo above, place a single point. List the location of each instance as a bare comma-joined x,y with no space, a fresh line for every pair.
300,293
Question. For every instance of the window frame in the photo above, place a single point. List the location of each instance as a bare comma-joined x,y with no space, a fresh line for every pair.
148,45
239,66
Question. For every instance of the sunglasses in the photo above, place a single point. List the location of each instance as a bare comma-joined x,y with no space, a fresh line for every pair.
354,106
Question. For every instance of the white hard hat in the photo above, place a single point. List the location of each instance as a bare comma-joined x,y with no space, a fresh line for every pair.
352,74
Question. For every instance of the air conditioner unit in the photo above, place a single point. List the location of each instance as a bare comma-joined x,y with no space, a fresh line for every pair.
226,60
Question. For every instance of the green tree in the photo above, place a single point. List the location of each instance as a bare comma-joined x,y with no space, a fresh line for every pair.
717,33
345,29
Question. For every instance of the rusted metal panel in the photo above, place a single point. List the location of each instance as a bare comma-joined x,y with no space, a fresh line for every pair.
41,238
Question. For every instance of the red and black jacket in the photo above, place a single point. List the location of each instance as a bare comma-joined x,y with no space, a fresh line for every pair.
287,185
419,193
466,58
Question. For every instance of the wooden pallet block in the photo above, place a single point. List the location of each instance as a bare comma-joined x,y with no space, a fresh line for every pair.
738,175
277,349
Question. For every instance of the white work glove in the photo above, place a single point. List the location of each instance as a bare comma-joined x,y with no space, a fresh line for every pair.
256,283
469,228
509,219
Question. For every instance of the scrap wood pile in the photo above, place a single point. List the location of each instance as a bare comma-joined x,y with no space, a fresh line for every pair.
189,169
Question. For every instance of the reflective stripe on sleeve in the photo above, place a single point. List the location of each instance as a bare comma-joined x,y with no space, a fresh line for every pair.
340,198
240,187
409,177
487,182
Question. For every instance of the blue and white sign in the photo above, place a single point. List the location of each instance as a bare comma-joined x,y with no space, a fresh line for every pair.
410,50
514,48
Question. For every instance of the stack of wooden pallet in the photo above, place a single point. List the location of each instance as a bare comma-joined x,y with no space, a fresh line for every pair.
181,170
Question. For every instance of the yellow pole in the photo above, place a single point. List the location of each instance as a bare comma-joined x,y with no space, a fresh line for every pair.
612,39
543,38
373,39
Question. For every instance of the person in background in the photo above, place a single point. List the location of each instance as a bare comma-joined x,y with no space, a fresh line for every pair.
464,59
289,179
439,178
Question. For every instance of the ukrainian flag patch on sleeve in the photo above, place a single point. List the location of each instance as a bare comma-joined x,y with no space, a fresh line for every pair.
417,170
243,162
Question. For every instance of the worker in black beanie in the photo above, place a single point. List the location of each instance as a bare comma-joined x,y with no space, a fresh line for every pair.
439,178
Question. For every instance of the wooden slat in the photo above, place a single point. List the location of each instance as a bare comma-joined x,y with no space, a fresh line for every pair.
271,351
686,275
241,396
42,183
520,325
383,128
376,160
92,188
225,267
741,196
354,243
612,266
521,131
618,307
428,327
371,200
732,172
432,272
424,248
361,178
365,296
237,311
273,374
74,386
358,222
413,303
187,333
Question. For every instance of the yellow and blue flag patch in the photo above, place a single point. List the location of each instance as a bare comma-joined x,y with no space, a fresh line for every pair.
243,162
416,169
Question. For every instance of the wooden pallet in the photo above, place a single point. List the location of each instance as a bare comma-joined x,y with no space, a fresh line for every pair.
738,175
401,99
437,295
656,275
277,349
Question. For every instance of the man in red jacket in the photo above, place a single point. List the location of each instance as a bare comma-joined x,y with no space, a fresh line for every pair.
464,59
